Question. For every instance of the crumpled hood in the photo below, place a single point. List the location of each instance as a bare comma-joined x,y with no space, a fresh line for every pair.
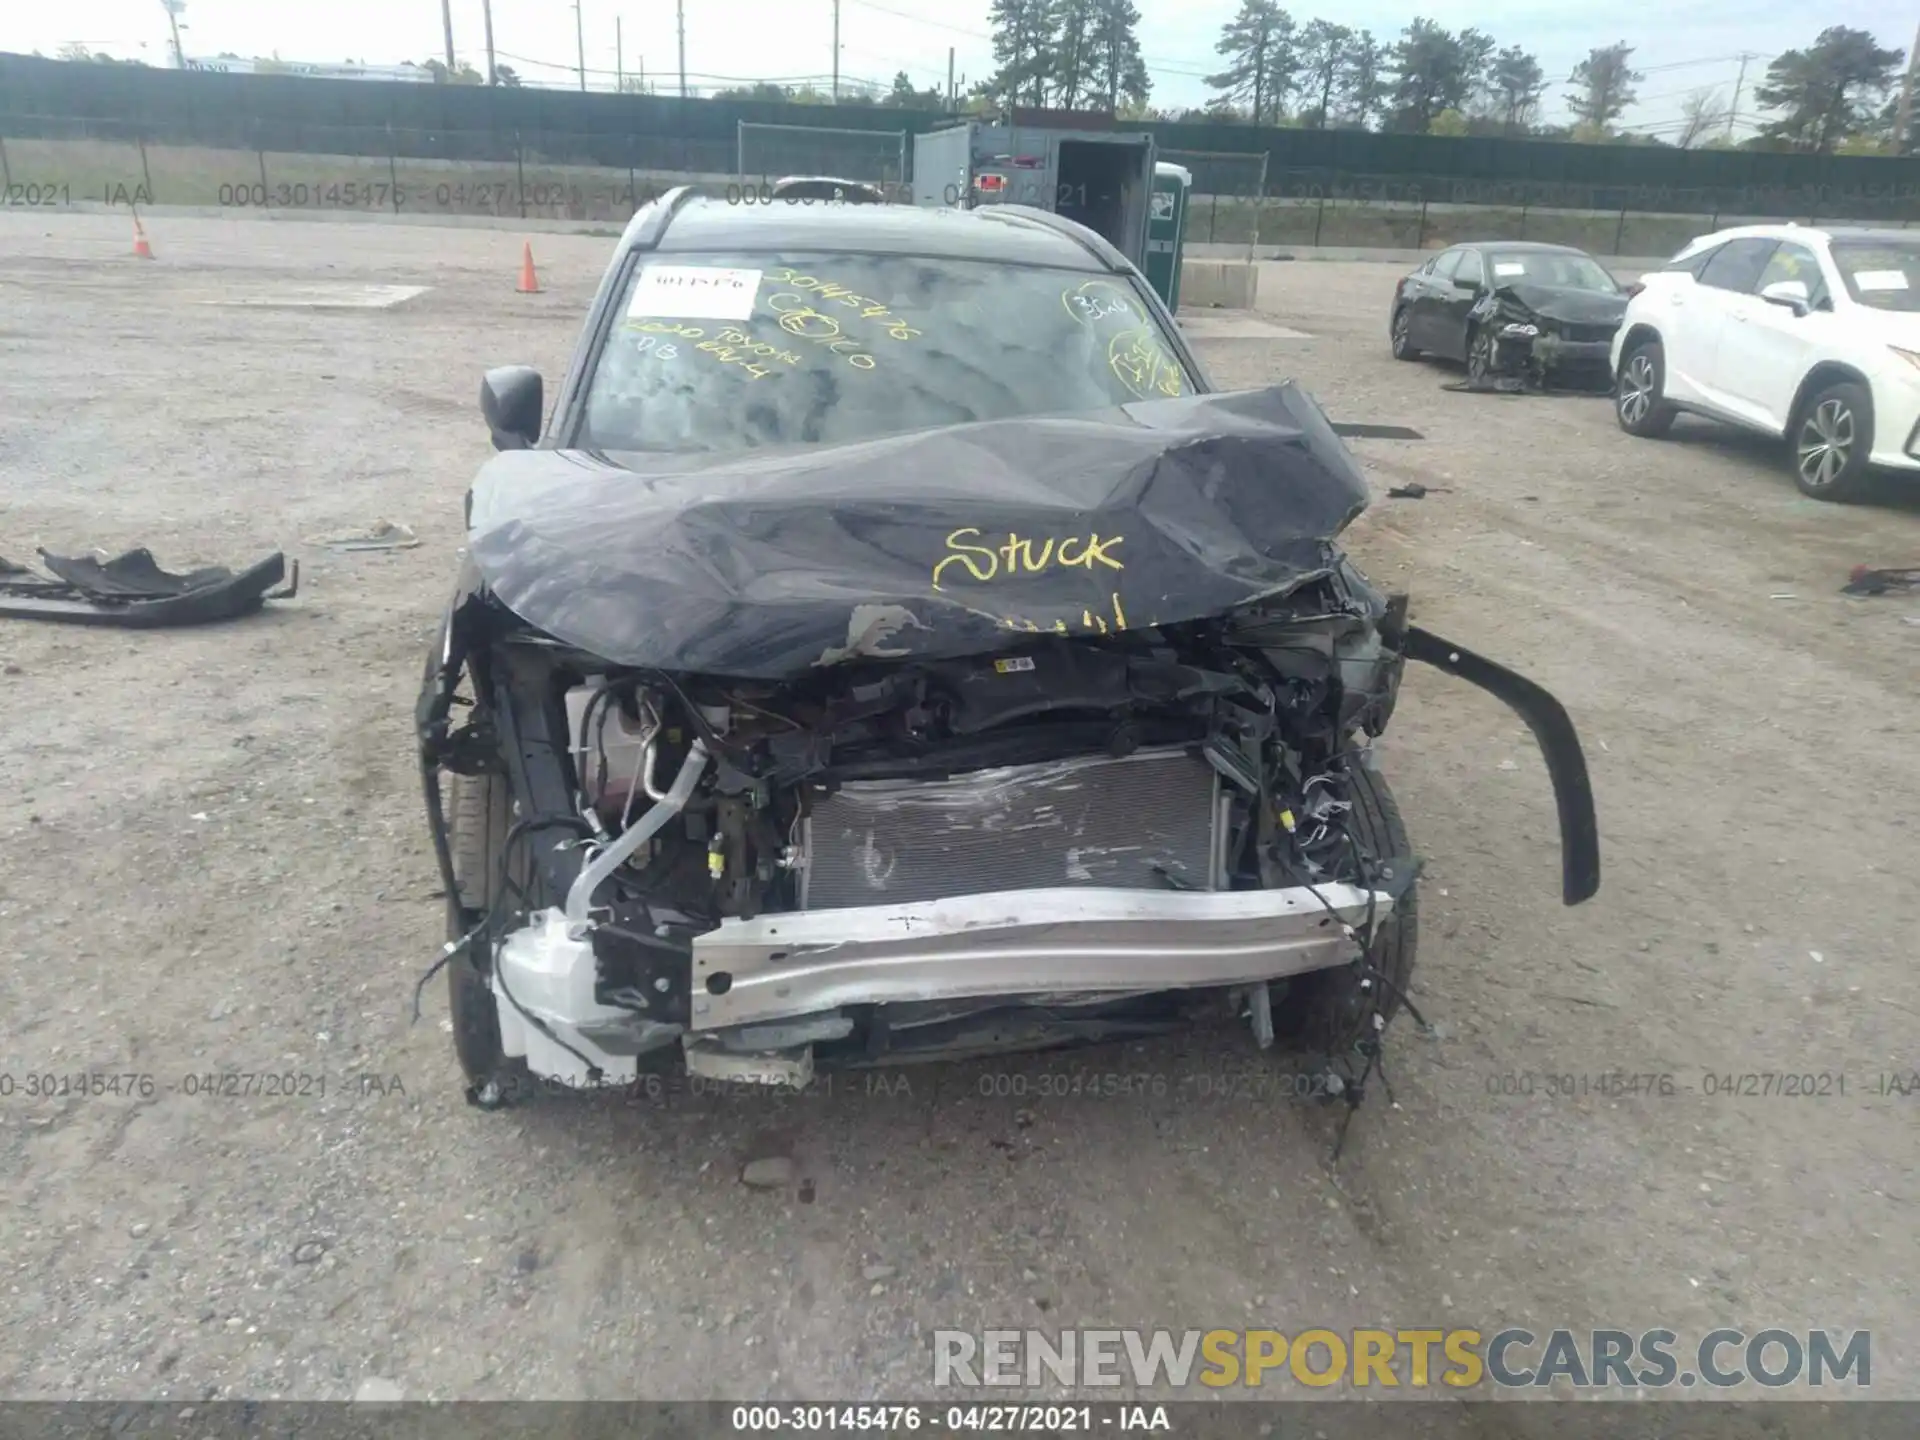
1572,307
769,563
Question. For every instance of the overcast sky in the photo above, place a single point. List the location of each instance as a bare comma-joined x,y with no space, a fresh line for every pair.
1681,48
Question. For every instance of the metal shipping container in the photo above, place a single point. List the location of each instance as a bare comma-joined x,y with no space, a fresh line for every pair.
1101,178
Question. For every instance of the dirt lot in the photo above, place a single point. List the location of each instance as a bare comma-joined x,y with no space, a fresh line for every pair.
212,859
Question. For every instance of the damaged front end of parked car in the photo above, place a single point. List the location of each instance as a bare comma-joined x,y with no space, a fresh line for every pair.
1008,735
1531,337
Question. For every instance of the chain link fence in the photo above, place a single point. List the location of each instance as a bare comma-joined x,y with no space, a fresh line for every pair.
1308,209
1225,204
359,168
1236,204
767,152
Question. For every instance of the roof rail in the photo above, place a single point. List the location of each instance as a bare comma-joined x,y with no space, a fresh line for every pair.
1094,244
661,214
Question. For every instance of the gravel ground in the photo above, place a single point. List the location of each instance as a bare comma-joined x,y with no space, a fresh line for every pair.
212,858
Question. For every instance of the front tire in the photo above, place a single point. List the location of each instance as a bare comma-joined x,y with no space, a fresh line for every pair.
1329,1011
1398,333
1479,357
1832,437
479,816
1639,393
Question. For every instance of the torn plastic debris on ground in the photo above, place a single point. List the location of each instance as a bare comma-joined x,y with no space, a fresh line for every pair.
767,563
131,590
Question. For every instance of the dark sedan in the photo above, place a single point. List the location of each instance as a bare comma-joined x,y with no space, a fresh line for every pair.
1508,309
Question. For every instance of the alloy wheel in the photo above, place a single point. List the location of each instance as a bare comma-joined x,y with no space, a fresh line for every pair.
1480,357
1401,326
1826,443
1636,389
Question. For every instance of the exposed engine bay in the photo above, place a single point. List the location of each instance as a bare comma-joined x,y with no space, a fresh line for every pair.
1070,840
853,841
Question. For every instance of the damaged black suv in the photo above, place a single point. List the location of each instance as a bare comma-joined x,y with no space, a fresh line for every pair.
891,648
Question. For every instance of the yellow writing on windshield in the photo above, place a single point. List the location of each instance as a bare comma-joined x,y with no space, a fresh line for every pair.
731,335
664,327
1143,365
803,322
1025,556
656,345
734,355
827,290
1095,300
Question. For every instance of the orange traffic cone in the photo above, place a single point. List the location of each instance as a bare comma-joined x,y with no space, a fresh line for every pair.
529,282
141,249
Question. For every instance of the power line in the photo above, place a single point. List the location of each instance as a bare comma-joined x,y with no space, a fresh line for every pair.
691,74
921,20
1689,64
940,74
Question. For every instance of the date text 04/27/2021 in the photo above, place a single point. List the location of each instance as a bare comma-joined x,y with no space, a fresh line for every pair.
972,1419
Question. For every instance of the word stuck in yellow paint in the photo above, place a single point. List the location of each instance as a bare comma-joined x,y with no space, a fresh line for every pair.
1018,556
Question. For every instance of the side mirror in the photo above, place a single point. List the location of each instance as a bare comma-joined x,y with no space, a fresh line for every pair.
1790,293
512,399
1461,282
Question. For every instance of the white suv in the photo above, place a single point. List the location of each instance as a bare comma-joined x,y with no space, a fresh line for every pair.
1809,334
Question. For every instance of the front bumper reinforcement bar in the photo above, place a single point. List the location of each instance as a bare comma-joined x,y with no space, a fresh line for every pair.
1058,941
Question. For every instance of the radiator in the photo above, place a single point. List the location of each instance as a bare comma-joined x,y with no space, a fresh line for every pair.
1144,822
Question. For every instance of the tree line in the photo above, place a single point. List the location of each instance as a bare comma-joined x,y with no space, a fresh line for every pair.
1841,93
1428,80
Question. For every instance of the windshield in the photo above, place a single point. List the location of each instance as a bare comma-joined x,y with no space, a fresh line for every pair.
1884,274
733,352
1551,267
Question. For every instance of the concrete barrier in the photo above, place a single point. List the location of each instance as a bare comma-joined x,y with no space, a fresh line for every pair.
1226,284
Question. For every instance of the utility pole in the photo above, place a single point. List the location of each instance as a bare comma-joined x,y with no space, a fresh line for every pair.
680,20
1733,110
836,52
619,59
173,9
486,12
446,19
950,77
580,44
1905,121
